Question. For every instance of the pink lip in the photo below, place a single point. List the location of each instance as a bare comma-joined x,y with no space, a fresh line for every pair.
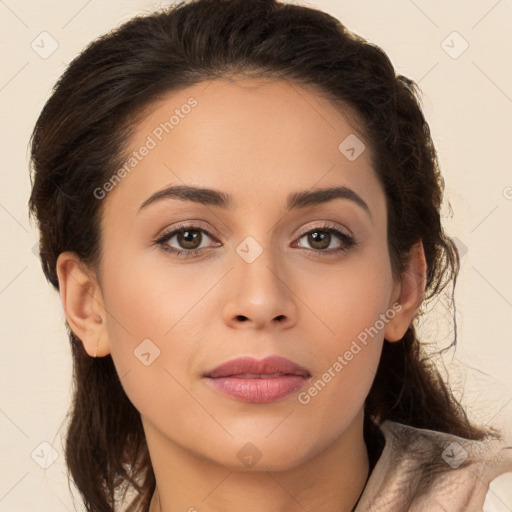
267,366
258,381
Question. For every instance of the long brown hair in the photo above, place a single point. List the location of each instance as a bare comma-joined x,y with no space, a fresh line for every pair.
80,140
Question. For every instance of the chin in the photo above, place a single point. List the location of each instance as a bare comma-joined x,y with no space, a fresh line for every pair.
259,456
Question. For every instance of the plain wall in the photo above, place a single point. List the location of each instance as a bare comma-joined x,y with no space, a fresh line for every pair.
467,99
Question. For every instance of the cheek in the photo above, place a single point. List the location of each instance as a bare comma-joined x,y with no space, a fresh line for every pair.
154,326
346,322
346,300
149,298
346,349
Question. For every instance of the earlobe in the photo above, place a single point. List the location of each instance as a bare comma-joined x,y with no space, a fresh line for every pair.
82,302
409,294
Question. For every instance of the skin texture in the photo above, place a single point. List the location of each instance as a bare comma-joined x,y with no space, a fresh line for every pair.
258,140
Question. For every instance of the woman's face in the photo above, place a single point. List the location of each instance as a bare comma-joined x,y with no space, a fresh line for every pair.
265,280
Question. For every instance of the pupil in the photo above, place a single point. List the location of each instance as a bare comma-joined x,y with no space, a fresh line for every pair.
188,237
323,236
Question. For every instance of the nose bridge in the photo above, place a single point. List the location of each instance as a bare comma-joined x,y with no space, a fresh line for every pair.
259,291
257,265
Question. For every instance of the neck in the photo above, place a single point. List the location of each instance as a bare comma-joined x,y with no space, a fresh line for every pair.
331,481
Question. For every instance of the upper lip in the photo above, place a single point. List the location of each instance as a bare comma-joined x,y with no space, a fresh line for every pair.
249,365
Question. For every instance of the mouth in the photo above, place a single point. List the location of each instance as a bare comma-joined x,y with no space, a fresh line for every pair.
259,375
257,381
249,367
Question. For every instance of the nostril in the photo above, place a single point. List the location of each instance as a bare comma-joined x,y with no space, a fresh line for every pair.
241,317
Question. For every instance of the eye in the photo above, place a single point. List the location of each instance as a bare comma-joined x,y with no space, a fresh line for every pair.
188,237
321,237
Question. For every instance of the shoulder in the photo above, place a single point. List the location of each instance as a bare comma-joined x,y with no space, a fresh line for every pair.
424,470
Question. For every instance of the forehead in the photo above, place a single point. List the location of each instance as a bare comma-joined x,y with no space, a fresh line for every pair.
257,140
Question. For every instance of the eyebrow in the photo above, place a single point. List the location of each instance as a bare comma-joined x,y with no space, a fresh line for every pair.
295,200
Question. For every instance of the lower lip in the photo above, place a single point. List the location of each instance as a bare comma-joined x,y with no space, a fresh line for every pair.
260,391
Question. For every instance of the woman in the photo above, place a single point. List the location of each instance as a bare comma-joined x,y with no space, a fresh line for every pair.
239,203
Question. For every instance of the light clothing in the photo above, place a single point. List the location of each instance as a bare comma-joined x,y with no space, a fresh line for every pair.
456,471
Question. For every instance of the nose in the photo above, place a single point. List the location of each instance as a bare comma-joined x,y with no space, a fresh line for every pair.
260,293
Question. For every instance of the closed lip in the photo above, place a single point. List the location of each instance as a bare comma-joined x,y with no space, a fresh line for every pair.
272,366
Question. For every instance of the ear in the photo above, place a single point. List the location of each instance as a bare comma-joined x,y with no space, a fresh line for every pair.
408,293
82,301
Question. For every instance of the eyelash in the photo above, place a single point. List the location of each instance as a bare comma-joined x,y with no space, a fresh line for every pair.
347,240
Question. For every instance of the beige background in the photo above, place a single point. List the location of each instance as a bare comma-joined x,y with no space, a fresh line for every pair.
468,103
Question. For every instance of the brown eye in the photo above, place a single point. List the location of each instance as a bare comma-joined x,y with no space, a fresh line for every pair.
188,240
320,238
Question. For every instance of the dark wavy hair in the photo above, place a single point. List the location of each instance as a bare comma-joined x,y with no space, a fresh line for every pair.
82,135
